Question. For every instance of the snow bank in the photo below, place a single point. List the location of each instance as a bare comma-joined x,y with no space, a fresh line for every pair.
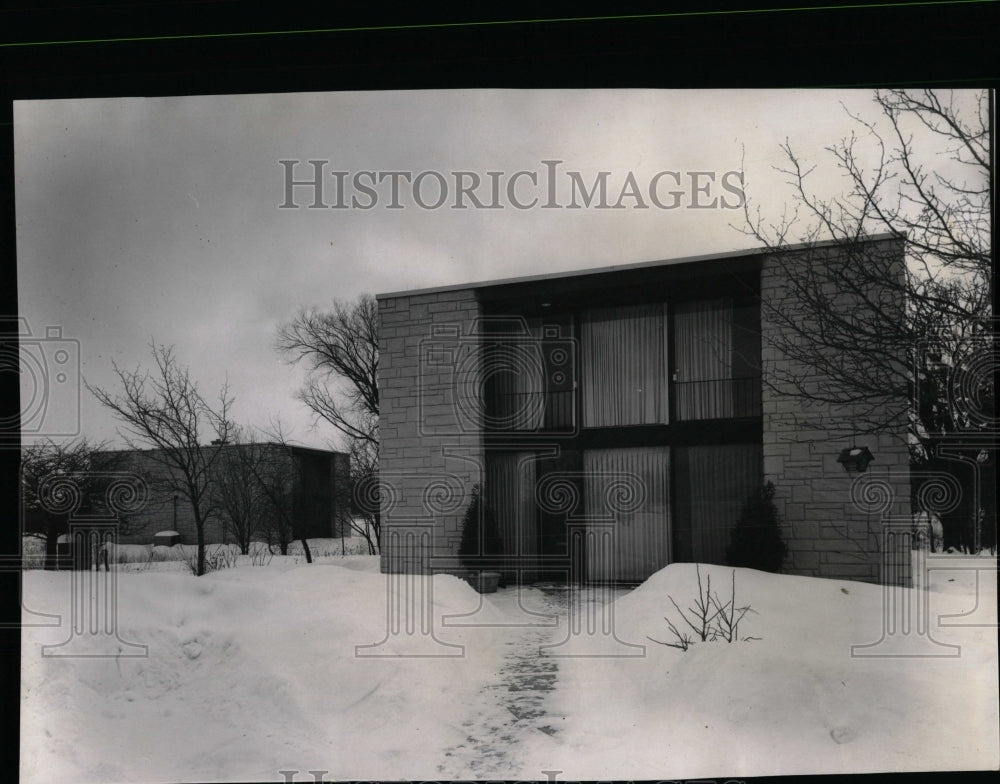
249,671
255,670
794,701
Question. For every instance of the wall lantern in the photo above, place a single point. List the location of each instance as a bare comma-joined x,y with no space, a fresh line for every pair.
855,459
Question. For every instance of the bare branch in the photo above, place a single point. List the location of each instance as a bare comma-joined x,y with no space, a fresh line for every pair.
340,347
164,410
922,172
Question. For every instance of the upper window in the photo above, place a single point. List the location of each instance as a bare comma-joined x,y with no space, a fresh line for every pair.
530,374
623,366
717,351
613,370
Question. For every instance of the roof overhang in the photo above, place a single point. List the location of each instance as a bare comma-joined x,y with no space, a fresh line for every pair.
750,256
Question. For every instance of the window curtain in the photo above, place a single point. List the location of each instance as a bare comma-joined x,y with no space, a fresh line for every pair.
516,371
510,491
713,483
703,350
624,366
628,488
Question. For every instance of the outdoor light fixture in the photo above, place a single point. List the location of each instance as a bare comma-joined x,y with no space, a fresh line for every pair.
855,459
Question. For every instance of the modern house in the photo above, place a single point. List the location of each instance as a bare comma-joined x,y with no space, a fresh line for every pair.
619,418
316,483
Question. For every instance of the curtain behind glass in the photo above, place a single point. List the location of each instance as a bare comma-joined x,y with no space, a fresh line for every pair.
703,349
624,366
713,483
510,489
516,370
629,486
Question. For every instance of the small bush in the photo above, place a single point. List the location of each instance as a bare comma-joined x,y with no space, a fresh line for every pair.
261,556
756,541
224,556
710,618
482,546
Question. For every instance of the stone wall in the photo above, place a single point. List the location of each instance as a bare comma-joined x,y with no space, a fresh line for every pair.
832,519
430,418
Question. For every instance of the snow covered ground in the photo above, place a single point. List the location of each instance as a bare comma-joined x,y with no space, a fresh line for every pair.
255,670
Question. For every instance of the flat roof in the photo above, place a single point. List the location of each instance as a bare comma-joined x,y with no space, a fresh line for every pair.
296,447
623,267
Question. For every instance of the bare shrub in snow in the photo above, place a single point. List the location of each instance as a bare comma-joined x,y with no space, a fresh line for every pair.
261,555
710,618
728,615
703,612
683,639
164,409
222,557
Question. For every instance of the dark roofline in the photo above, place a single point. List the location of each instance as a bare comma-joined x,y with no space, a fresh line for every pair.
293,447
623,267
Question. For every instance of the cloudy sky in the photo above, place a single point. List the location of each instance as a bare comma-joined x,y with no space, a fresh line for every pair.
159,218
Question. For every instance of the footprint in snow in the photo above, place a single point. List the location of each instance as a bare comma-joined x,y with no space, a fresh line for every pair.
192,649
843,734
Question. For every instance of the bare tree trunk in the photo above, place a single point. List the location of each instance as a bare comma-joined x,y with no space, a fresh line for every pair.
200,527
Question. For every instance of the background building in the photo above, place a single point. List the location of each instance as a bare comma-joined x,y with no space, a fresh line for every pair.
316,485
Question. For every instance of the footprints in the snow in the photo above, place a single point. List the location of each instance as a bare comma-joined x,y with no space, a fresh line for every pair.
843,734
524,680
192,649
527,676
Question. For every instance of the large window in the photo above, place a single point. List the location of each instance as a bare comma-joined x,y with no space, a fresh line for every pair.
623,366
659,504
510,491
530,374
628,488
717,351
712,484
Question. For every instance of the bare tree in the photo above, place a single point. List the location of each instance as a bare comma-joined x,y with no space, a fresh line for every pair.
239,495
363,514
165,410
89,466
341,348
277,475
925,334
930,186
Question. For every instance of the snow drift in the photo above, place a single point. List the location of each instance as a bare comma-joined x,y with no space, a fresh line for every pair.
253,670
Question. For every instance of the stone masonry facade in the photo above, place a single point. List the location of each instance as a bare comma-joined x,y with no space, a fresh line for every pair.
432,449
832,519
430,418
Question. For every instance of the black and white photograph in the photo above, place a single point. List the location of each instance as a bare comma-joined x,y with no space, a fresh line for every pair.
493,433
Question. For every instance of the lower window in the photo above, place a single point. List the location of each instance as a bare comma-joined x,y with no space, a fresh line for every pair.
711,485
